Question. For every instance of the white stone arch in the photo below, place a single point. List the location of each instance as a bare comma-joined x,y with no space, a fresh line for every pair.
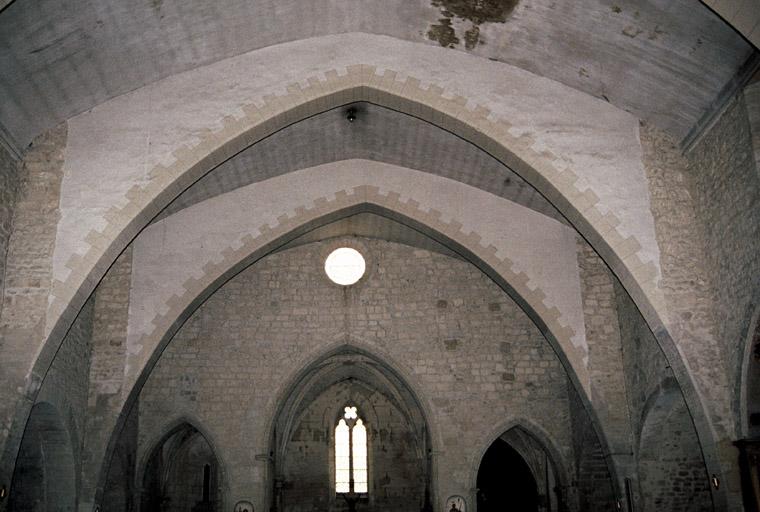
352,344
346,204
329,89
343,205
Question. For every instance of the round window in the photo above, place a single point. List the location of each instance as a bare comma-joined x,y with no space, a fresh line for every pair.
345,266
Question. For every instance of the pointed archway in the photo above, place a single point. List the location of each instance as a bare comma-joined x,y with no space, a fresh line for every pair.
351,385
519,471
182,473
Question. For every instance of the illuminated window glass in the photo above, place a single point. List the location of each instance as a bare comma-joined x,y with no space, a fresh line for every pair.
342,457
351,453
359,456
345,266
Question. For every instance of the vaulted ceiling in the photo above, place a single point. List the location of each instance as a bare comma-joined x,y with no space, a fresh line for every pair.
377,134
666,61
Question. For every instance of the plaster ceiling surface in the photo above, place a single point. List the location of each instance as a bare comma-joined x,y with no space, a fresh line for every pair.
663,60
378,134
370,225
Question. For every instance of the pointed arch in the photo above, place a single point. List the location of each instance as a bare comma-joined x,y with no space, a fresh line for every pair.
362,83
533,429
526,437
357,372
345,204
178,434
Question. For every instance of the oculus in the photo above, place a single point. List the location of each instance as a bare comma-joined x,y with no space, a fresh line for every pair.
345,266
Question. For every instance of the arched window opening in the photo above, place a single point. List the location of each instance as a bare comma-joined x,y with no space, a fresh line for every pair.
351,453
327,457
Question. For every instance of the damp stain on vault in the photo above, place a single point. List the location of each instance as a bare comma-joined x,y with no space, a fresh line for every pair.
476,12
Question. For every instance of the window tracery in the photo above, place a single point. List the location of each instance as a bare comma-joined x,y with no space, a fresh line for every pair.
351,453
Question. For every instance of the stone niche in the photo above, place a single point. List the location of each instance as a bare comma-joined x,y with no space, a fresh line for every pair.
396,432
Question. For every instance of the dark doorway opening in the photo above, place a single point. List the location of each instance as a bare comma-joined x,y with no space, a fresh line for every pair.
505,481
182,474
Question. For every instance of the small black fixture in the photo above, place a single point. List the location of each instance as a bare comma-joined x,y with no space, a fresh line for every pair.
351,115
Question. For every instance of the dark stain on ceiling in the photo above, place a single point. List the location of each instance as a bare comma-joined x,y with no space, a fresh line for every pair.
665,61
476,12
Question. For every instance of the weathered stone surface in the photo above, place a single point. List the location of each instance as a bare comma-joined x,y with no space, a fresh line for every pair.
106,376
49,479
726,182
608,387
536,246
671,476
28,275
9,185
472,356
680,53
687,282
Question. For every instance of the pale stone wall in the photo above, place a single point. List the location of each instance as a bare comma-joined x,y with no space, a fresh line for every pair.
120,487
669,467
594,489
9,185
473,357
194,239
752,100
645,365
65,388
397,459
28,274
671,473
106,376
66,383
727,190
689,289
609,394
686,279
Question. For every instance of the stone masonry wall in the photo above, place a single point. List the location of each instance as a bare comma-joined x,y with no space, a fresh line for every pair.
645,365
66,383
9,184
594,489
472,356
111,312
752,100
397,476
670,466
727,188
119,488
686,277
689,285
603,337
28,280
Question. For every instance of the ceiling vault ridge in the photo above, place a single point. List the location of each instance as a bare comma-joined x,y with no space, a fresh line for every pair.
722,101
9,144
